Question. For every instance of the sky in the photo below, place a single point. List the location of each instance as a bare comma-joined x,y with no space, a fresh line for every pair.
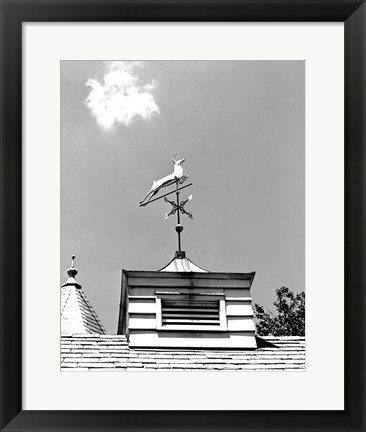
240,125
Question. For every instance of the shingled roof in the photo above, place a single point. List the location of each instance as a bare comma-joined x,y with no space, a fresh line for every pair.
77,314
87,352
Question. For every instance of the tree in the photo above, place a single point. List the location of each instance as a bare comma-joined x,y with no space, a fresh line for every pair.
289,319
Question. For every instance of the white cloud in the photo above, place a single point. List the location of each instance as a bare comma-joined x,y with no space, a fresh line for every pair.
120,97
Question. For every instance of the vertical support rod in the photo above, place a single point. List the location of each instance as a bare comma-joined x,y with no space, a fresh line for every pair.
178,217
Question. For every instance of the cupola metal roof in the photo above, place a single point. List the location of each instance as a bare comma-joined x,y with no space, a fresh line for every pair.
180,263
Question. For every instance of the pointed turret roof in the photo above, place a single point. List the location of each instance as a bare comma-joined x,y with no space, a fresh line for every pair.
180,263
77,314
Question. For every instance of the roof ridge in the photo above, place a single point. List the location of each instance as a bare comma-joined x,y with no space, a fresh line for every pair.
92,311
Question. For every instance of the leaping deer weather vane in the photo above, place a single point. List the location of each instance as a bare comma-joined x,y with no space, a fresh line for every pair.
177,177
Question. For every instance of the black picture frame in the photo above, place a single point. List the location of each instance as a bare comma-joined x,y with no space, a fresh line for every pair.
13,14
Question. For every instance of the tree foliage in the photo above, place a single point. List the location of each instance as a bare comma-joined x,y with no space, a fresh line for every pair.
289,319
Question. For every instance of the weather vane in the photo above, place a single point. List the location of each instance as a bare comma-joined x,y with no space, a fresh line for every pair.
177,177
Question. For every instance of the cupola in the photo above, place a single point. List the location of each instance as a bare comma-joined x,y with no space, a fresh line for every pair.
77,314
183,305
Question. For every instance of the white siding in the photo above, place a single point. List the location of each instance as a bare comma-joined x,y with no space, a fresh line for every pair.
192,340
239,308
141,322
142,306
240,323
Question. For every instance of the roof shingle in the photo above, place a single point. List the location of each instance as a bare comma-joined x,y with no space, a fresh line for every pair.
94,352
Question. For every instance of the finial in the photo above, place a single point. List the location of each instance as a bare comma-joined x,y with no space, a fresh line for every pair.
72,272
179,228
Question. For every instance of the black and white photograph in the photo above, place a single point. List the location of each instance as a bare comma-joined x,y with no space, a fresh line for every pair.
182,191
182,215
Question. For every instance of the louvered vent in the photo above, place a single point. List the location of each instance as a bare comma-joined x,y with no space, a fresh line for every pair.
190,312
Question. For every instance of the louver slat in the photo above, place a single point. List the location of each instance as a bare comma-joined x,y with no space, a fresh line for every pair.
190,312
193,316
195,310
